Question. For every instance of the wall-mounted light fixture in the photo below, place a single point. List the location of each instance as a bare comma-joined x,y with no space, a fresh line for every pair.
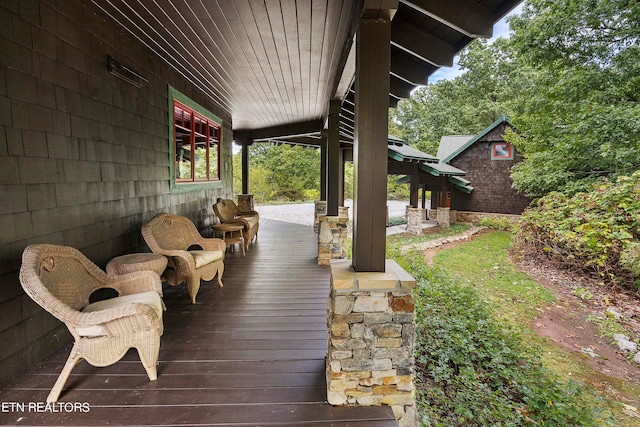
125,73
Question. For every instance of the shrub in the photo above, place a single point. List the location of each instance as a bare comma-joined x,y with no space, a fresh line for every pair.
596,232
498,223
474,370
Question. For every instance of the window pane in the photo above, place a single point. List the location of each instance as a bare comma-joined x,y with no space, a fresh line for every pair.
183,155
201,158
213,159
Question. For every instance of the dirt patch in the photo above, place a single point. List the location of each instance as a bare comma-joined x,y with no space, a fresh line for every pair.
568,324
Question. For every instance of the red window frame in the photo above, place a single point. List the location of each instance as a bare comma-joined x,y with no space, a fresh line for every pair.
505,145
195,136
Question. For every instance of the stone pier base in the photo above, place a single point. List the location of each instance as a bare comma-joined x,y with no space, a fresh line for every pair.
343,211
332,238
245,202
443,217
371,336
320,208
414,220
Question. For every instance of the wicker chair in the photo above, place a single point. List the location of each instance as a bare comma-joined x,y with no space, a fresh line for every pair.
61,280
228,213
175,237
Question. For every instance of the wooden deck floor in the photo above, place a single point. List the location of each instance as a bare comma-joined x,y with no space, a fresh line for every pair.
249,354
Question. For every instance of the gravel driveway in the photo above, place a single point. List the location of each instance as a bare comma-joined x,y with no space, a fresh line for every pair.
302,213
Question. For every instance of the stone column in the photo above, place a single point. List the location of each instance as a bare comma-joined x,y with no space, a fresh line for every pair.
442,217
343,211
371,336
320,208
332,238
414,220
245,202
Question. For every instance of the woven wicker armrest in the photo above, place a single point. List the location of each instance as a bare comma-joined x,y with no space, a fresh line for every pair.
212,244
134,313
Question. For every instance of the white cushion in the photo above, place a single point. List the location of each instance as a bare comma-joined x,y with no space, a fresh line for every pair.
150,298
203,258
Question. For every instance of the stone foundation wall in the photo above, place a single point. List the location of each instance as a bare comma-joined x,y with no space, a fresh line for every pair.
370,359
332,238
475,217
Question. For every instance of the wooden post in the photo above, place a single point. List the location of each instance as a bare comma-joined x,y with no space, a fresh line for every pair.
245,143
341,180
323,165
370,142
333,158
414,186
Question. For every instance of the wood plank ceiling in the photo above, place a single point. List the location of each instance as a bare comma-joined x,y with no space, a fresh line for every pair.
274,65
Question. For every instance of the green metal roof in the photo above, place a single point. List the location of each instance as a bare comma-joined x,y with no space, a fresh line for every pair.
454,145
401,152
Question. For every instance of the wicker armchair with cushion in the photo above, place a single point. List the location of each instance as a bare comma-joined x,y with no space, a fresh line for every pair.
61,280
228,213
191,257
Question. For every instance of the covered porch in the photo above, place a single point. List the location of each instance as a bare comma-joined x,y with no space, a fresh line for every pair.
250,353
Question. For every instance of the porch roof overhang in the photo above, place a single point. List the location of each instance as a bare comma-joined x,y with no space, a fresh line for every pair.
274,66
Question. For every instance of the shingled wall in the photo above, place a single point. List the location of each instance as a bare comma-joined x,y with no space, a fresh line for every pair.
490,178
84,155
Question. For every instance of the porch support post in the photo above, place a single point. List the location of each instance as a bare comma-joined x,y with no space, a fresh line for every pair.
341,180
370,141
333,158
323,165
414,187
245,143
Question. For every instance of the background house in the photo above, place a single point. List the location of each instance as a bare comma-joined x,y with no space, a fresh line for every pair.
487,160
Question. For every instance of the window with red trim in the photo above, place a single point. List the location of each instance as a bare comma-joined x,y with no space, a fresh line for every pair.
502,151
197,146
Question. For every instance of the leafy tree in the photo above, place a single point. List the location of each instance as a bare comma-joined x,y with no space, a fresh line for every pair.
579,117
280,172
462,106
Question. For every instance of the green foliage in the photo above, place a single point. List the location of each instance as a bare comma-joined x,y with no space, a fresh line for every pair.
397,220
578,118
282,173
498,223
396,191
597,232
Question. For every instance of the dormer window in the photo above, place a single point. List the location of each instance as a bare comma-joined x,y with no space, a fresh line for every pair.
501,151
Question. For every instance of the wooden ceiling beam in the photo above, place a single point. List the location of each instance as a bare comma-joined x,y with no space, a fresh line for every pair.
466,16
422,44
399,88
409,68
281,131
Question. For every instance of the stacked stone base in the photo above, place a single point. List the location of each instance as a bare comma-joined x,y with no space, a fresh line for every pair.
414,220
245,202
332,238
371,340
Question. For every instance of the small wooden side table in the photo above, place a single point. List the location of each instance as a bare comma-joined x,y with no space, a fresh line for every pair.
231,234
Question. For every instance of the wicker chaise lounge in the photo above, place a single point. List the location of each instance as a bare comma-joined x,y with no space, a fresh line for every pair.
191,257
61,280
228,213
